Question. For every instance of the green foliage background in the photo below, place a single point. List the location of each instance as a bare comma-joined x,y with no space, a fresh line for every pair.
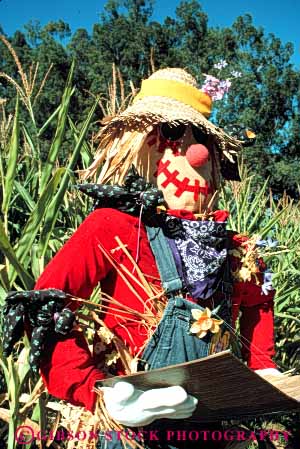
45,135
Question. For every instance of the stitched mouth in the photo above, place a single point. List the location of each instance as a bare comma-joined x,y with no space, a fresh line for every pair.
184,185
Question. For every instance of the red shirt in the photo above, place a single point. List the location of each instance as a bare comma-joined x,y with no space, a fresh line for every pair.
67,367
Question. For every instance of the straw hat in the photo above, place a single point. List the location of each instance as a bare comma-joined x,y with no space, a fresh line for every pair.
168,95
172,95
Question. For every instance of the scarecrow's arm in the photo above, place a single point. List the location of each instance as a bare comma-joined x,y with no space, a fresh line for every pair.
255,304
256,324
67,366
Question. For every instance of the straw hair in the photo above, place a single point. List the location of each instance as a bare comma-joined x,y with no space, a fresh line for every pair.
122,137
117,151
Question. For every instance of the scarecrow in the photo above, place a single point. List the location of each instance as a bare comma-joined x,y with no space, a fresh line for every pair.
173,279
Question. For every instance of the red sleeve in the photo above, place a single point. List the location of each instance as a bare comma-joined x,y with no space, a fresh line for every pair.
67,366
68,370
79,265
256,324
256,321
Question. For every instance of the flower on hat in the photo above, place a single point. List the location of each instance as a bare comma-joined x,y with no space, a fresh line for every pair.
236,74
215,88
204,322
221,65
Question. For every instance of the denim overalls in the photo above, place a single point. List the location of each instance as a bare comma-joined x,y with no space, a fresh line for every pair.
172,341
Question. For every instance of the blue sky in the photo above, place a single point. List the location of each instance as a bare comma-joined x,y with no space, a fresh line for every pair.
280,17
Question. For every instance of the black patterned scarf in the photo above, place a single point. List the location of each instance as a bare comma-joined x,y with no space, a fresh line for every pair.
134,197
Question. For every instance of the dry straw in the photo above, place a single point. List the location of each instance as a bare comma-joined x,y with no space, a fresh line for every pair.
28,83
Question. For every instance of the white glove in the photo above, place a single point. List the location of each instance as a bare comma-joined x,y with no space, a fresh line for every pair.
268,372
135,408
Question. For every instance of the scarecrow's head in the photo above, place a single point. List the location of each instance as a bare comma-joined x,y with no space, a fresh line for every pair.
167,136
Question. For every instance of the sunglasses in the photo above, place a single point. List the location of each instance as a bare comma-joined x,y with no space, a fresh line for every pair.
175,132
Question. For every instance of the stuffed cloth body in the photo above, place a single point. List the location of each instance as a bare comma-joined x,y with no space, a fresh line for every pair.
68,368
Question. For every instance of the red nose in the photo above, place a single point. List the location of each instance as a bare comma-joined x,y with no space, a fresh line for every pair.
197,155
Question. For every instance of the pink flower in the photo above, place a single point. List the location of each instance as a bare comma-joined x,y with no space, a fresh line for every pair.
225,85
215,88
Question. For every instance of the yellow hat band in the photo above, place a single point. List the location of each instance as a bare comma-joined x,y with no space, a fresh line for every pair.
188,95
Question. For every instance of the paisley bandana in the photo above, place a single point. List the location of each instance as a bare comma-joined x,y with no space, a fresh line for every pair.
199,249
135,195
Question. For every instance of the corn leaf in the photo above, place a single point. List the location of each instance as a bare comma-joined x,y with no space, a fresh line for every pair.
255,206
2,296
60,131
287,316
33,224
266,229
25,195
30,141
4,367
12,161
9,253
48,121
14,405
86,153
53,209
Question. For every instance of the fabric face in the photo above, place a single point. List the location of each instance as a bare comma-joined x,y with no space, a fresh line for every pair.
164,163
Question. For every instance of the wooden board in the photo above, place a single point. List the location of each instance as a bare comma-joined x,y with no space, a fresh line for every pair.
224,386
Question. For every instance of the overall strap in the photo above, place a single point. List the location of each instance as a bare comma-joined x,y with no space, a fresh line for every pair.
226,283
171,281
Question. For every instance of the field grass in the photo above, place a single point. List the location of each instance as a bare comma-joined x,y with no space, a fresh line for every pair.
40,210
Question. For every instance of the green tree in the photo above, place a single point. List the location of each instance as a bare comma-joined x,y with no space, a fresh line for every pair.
265,98
122,38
